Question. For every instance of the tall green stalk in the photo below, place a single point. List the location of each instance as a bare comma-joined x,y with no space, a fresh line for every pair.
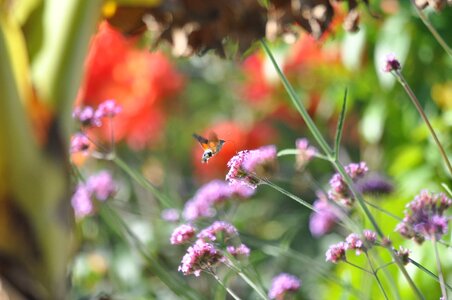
336,163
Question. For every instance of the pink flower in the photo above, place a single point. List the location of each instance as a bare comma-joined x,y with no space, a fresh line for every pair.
182,234
339,190
241,250
101,185
305,152
370,237
324,218
200,256
336,252
424,217
354,242
403,254
79,143
86,116
81,202
213,193
170,215
211,232
108,108
282,284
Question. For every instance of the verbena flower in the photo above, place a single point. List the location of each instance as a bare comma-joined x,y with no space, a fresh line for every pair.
424,217
403,254
336,252
248,164
241,250
305,152
86,116
201,256
391,63
79,143
182,234
324,218
170,215
339,191
213,193
354,242
81,202
101,185
218,227
282,284
375,185
370,237
108,108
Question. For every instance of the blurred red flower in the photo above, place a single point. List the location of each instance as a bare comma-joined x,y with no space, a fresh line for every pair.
237,138
136,79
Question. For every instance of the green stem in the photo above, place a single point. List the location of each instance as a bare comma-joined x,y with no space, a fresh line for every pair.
141,180
233,295
247,280
339,167
440,270
432,29
428,272
374,272
418,106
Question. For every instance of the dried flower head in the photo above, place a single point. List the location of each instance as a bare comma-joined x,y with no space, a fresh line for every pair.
282,284
424,217
403,254
182,234
200,256
336,252
391,63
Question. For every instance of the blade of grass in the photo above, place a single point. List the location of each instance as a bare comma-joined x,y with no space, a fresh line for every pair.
340,126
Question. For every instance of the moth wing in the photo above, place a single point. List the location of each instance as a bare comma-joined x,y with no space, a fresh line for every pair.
202,141
213,140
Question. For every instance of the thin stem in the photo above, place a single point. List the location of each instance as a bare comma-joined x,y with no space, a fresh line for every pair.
384,211
285,152
418,106
247,279
384,266
432,29
440,270
328,152
141,180
340,127
374,272
233,295
358,267
428,272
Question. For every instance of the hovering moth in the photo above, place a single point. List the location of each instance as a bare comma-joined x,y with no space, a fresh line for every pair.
211,146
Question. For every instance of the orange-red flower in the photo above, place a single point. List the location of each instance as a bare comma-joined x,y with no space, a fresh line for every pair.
138,80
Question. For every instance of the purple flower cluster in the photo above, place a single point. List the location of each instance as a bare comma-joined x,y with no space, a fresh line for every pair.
305,152
79,143
241,250
424,217
355,242
247,164
170,215
204,253
213,193
282,284
89,117
210,233
199,257
391,63
324,217
182,234
339,190
375,185
101,186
